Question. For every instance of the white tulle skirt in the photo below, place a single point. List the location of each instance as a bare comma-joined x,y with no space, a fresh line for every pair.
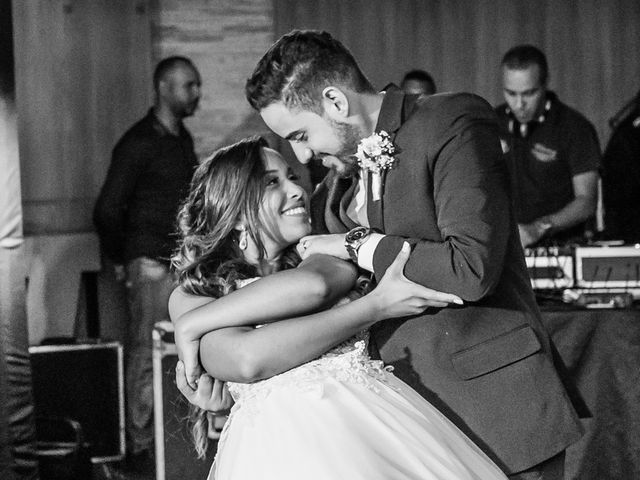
342,416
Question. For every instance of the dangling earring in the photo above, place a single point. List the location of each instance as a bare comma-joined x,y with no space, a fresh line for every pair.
242,241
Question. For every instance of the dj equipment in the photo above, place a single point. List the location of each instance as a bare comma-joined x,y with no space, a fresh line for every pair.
550,268
175,453
595,276
84,383
608,267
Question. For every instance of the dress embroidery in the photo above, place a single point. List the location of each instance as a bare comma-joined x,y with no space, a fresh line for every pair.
349,362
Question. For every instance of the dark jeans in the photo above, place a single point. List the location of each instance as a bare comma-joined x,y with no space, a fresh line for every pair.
149,284
551,469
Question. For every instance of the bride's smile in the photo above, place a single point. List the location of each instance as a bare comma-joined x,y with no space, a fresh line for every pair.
284,208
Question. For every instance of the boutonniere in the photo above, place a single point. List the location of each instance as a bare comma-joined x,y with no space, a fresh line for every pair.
375,154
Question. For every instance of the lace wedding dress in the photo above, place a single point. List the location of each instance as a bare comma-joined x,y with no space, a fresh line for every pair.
342,416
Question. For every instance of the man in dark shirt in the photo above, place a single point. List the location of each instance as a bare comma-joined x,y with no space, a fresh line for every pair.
552,152
150,171
621,180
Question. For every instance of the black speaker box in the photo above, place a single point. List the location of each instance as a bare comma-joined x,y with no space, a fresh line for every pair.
176,458
84,383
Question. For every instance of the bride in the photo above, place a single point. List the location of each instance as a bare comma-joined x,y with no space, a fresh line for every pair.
309,401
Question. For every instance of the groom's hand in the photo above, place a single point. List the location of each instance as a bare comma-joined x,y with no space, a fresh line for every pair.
332,244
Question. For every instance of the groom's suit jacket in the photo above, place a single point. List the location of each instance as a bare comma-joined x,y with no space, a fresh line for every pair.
487,365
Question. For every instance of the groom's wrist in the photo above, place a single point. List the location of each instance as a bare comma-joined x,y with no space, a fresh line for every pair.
354,239
367,250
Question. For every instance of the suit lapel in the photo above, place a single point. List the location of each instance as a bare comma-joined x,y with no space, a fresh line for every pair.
389,120
338,192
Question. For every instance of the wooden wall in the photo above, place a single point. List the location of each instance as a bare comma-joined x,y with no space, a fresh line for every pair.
225,39
82,70
592,45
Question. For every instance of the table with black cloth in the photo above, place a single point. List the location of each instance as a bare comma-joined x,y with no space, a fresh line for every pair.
601,349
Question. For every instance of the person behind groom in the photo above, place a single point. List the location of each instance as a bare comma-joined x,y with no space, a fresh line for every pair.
489,364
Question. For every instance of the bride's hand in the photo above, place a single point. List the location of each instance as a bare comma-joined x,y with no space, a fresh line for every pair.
400,297
211,395
188,352
329,244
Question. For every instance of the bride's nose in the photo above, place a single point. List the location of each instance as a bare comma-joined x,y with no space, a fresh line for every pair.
295,190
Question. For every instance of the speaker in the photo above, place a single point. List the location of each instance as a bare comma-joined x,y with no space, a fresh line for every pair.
176,458
83,382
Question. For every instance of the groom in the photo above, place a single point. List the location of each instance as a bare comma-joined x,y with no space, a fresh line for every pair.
487,364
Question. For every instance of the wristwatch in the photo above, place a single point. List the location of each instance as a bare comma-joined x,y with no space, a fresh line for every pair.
354,239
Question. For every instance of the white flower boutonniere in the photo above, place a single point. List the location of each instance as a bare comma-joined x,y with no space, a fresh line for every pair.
375,153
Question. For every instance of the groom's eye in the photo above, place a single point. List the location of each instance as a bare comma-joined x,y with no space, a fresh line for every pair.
301,137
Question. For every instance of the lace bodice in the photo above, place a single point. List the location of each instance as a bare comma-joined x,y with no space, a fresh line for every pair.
347,362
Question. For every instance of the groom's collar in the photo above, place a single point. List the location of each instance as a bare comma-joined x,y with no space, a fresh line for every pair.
390,118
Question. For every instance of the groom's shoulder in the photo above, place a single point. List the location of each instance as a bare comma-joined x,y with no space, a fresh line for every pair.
452,106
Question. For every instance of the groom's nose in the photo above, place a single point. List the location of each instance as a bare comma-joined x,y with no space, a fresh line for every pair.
303,154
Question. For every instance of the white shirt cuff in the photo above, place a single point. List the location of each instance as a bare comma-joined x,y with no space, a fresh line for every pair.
366,251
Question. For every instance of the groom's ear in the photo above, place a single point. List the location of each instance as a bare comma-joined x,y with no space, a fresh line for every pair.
335,103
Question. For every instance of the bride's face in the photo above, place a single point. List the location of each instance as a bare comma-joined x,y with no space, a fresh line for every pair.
284,209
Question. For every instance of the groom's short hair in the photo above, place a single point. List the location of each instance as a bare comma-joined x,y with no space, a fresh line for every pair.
298,67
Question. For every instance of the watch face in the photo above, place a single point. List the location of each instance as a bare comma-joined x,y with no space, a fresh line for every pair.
357,233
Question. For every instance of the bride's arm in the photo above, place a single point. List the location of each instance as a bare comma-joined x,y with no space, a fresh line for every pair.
248,354
317,282
245,354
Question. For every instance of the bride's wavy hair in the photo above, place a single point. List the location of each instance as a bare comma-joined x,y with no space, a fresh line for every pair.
299,66
226,189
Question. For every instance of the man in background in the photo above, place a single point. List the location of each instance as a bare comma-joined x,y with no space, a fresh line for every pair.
552,152
418,82
621,178
150,172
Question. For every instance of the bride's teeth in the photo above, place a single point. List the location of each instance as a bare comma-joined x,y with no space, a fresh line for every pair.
295,211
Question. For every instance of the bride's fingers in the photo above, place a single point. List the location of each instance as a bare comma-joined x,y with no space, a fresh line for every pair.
192,374
431,295
181,381
397,266
218,390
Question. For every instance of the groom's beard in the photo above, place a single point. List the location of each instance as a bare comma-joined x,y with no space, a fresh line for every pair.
349,136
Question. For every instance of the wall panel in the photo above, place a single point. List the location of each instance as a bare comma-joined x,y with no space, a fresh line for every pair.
82,78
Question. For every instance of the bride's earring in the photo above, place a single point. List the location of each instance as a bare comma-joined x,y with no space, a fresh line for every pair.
242,240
